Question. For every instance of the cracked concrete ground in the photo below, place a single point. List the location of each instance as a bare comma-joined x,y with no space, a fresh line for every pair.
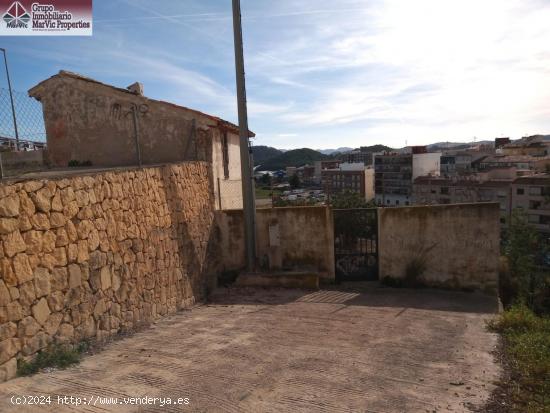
356,349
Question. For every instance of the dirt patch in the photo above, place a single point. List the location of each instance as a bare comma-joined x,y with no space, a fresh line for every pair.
359,348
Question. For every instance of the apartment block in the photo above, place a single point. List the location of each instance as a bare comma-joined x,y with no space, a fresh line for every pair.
353,177
532,194
458,190
531,145
528,162
396,172
359,155
455,163
320,166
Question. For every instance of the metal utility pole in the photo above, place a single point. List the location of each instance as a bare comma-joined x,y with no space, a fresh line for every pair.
11,99
249,207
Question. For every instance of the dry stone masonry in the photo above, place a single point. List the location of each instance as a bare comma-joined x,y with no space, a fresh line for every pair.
89,256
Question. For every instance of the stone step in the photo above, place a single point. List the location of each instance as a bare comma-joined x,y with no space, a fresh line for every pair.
283,279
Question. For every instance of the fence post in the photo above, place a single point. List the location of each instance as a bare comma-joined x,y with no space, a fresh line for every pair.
136,134
1,167
11,99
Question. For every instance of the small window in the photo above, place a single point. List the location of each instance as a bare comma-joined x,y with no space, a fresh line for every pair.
397,202
407,203
445,190
535,190
225,156
388,202
520,191
502,220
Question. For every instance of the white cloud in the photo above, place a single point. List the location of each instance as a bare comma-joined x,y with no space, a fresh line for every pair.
364,72
485,64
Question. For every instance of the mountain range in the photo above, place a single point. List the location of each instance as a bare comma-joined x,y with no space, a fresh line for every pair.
343,149
269,158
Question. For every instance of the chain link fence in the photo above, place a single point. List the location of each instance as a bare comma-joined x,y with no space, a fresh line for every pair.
31,131
28,112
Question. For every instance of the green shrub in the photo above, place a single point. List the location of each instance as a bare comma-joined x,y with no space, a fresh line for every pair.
414,270
517,319
392,282
523,276
73,163
60,356
526,340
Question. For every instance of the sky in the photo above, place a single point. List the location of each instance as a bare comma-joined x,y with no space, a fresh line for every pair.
323,74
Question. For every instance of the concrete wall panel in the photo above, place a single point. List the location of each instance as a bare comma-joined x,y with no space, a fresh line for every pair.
460,244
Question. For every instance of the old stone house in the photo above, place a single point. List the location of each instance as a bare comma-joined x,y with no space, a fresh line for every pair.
92,122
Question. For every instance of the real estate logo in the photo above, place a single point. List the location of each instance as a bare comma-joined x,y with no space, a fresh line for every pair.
16,16
53,18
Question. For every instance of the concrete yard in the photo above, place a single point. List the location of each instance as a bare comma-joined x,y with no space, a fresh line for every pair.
360,348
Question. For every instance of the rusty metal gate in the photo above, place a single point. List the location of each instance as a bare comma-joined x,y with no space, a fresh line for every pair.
356,244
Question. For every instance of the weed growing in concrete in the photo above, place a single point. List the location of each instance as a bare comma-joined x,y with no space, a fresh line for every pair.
414,270
58,356
527,346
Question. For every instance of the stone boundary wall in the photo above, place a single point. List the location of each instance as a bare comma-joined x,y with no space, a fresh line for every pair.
289,238
86,257
459,245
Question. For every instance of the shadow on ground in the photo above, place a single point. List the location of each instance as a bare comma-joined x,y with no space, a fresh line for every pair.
370,294
357,348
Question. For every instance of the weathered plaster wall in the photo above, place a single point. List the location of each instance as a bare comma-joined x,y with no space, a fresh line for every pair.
293,238
228,193
459,244
89,256
90,121
232,245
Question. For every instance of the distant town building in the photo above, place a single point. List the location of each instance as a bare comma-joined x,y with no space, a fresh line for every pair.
363,155
532,146
9,144
532,194
500,142
534,163
396,172
507,186
456,190
306,174
320,166
462,162
353,177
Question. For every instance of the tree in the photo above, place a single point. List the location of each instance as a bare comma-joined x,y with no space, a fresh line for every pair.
348,199
266,179
294,181
524,249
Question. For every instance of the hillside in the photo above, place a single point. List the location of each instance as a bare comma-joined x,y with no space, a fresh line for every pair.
295,157
377,148
443,146
331,151
263,153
